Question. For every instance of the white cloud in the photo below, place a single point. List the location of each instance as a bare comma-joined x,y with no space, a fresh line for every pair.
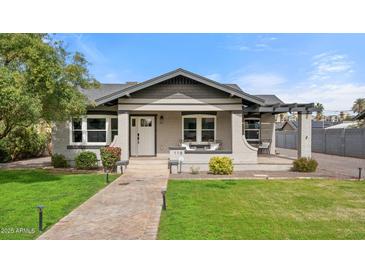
334,97
259,82
327,65
214,76
262,43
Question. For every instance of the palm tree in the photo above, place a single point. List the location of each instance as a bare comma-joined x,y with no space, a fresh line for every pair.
319,108
359,105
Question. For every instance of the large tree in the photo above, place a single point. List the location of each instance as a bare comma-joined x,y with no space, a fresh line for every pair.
39,80
359,105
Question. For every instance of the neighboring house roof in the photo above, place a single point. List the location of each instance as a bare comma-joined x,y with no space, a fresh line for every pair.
343,125
108,94
360,116
315,124
279,125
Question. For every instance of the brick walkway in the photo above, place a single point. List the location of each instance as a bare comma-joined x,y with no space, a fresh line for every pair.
129,208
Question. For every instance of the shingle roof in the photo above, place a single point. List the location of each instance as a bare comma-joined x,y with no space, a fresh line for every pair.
270,99
103,90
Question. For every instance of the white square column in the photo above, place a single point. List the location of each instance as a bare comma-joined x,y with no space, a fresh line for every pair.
242,151
304,134
123,133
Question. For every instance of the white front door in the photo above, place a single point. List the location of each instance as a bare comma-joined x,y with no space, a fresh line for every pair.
142,135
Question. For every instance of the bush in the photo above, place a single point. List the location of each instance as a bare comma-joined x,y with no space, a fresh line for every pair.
86,160
305,165
109,157
221,165
4,153
58,160
25,143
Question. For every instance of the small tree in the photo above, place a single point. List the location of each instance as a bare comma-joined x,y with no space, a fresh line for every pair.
359,105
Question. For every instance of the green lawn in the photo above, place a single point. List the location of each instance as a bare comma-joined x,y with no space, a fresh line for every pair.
264,209
22,190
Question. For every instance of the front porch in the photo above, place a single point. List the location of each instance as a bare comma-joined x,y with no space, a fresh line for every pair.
192,138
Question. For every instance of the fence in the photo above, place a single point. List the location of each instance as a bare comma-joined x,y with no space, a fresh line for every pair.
344,142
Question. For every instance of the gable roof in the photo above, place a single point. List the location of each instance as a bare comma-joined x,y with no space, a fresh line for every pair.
229,88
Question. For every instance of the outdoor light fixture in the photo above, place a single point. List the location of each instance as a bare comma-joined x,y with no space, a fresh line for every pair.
360,170
107,177
40,222
163,192
161,119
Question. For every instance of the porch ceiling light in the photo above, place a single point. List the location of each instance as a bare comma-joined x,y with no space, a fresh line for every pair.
161,119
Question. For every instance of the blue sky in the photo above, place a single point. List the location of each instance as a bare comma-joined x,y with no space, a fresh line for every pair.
326,68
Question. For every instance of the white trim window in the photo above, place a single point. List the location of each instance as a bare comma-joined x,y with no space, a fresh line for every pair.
93,130
76,135
96,130
199,128
251,129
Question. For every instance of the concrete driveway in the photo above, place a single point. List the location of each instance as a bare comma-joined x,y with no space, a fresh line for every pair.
332,165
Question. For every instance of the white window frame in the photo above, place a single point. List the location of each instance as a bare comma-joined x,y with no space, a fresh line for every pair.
252,129
199,118
84,130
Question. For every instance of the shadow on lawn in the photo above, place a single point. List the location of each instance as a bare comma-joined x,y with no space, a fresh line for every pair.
26,176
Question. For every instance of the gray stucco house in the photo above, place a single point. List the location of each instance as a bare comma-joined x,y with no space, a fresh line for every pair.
180,115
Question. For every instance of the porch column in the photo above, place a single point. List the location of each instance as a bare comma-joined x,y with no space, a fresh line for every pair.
242,151
304,134
123,133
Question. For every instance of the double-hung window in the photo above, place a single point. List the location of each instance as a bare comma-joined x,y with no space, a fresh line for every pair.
114,128
76,131
96,130
252,129
93,130
199,128
190,129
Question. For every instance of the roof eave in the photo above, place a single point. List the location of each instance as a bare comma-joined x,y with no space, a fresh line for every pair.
175,73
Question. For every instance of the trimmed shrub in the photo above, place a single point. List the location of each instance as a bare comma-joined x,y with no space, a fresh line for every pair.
86,160
109,157
58,160
221,165
305,165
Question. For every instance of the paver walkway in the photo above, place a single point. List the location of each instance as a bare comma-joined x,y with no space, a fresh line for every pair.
129,208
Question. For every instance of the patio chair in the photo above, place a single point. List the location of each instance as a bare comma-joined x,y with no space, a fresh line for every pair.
264,147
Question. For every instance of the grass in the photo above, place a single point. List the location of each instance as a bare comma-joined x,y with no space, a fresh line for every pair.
22,190
262,209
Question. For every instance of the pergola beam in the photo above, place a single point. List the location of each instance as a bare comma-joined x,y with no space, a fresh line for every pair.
280,108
